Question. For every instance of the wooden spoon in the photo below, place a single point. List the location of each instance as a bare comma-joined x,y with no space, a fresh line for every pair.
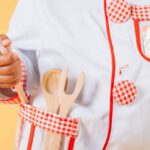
50,87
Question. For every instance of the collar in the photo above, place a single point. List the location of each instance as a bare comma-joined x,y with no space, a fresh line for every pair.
120,11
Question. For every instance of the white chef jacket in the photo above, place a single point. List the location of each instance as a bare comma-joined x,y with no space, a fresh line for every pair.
72,34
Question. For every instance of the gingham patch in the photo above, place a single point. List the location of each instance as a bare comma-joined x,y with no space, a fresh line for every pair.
120,11
16,99
124,92
48,121
140,13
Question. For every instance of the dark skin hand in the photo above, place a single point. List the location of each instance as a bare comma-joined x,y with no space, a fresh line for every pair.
10,65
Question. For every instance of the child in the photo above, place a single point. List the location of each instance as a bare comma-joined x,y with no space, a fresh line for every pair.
103,38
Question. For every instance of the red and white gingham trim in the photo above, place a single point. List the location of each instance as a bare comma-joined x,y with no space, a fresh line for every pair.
124,92
24,75
15,99
140,13
120,11
48,121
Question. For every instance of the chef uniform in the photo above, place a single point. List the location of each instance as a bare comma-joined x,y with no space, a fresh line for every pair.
103,38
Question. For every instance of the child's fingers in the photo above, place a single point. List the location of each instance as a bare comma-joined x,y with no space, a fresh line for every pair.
6,79
10,65
9,81
8,59
12,68
9,85
5,41
3,37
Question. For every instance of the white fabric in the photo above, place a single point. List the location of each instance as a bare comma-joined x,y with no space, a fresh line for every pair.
72,34
131,124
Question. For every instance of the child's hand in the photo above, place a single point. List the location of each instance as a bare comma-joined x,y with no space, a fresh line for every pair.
10,65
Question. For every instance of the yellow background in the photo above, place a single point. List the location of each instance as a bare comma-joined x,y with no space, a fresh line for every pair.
8,114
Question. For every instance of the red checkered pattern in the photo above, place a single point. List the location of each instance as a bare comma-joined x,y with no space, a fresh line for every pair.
120,11
16,99
124,92
24,76
141,13
48,121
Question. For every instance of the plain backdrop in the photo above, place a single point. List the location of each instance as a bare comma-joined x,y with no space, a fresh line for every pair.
8,113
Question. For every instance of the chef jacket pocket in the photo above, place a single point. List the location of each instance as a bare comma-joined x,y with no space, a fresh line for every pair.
63,129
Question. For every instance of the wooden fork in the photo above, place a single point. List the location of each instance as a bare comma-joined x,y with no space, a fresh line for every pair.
66,101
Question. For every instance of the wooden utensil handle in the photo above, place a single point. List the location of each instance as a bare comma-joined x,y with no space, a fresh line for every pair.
21,93
51,142
48,139
57,142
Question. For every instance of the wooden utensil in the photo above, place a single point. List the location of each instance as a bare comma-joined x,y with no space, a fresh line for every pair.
66,101
50,87
18,87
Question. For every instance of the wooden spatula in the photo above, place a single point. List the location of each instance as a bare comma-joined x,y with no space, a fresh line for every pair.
66,101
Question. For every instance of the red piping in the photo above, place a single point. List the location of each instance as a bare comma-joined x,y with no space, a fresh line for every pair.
31,137
10,99
112,76
71,144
